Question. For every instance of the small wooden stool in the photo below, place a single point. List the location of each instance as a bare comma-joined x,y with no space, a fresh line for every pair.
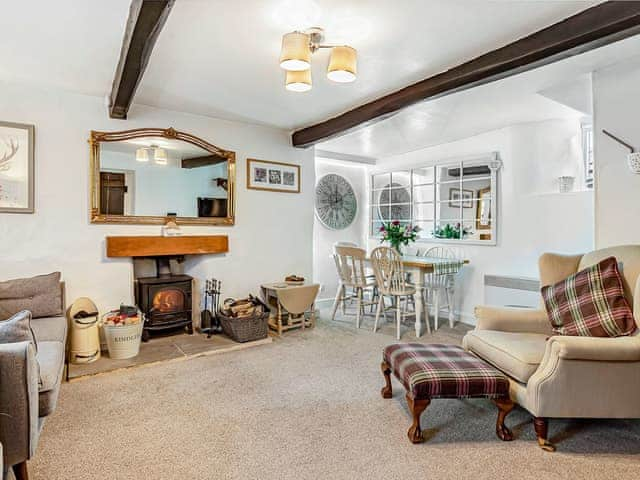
444,371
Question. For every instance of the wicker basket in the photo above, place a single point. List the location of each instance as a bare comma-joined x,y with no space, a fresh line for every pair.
245,329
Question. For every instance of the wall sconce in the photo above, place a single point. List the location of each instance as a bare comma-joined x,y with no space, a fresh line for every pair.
633,158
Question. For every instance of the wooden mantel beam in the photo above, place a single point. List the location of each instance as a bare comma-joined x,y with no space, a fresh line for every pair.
592,28
146,19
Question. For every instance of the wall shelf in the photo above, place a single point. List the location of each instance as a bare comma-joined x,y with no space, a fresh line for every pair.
156,246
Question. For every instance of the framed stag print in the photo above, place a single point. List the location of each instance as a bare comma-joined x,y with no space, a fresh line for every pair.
273,176
16,167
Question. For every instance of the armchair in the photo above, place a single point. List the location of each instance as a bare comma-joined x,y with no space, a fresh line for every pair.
562,376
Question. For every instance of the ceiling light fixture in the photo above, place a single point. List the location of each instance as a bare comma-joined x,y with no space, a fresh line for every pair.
295,58
142,155
159,155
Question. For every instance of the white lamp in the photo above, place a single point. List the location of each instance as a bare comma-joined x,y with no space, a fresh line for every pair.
342,64
160,156
295,55
298,81
142,155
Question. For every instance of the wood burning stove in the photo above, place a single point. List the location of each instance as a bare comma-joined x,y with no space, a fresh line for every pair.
165,302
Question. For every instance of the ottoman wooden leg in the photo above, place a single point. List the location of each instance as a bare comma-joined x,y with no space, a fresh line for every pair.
386,391
416,407
505,405
541,425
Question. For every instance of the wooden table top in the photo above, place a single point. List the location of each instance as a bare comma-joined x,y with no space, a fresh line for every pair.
425,262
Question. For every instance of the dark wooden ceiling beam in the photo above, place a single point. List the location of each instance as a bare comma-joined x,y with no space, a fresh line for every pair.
592,28
204,161
146,19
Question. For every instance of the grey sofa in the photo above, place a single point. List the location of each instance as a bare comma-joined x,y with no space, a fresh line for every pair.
29,379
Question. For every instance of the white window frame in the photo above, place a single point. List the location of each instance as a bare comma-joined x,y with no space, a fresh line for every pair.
492,160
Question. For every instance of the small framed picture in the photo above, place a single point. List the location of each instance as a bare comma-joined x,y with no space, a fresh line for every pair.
459,197
273,176
16,167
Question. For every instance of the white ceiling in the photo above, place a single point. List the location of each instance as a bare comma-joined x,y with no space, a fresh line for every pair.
559,90
220,57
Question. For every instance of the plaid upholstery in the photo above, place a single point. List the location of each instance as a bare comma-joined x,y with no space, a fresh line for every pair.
443,371
590,303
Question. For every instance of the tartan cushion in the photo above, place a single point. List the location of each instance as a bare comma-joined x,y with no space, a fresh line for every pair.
443,371
590,303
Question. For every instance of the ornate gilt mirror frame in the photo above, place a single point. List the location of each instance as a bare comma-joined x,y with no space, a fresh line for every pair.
169,133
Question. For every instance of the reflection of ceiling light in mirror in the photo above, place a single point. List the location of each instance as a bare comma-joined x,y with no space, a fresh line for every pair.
142,155
160,156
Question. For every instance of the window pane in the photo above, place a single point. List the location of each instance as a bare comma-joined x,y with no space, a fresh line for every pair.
423,211
423,193
426,229
381,180
400,212
402,178
423,175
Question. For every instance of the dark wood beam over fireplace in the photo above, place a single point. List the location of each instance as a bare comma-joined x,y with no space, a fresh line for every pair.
592,28
146,19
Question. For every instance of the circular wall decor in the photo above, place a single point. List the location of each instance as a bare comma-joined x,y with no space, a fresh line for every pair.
336,202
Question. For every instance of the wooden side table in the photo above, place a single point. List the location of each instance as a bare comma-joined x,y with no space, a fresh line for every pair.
280,319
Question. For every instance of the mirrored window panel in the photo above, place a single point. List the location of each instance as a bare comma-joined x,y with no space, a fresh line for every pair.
450,202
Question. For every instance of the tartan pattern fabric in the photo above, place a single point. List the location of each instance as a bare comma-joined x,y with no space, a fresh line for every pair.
590,303
443,371
446,266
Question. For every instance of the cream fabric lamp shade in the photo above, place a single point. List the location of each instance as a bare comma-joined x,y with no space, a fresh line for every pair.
295,54
342,64
142,155
160,156
298,81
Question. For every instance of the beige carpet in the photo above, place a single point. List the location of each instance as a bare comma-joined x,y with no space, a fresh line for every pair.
305,407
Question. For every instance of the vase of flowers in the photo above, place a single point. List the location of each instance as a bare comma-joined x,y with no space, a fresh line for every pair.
397,234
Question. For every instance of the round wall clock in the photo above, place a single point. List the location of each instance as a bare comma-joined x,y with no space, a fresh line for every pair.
336,203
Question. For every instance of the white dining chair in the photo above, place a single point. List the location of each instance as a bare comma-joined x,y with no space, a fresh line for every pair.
350,265
441,284
391,280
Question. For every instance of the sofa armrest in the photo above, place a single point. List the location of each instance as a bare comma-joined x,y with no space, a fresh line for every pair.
18,401
516,320
620,349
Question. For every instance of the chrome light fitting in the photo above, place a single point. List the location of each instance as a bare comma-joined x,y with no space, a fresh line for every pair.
295,58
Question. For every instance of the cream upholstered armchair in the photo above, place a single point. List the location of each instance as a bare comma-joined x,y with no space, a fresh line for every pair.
561,376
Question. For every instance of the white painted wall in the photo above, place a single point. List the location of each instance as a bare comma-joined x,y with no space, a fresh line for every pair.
616,104
324,270
532,218
273,233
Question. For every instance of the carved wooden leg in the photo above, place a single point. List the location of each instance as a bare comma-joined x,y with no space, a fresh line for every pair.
416,407
20,471
541,425
505,405
386,391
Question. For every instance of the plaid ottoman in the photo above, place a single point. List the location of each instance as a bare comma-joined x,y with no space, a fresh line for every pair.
430,371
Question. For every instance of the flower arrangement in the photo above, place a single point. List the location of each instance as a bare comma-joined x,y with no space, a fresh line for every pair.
448,231
397,234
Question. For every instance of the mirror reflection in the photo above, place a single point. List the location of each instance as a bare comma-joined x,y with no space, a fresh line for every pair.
154,176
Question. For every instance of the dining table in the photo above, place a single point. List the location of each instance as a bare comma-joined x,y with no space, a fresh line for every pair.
418,266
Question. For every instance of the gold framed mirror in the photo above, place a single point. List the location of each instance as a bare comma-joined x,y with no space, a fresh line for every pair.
147,175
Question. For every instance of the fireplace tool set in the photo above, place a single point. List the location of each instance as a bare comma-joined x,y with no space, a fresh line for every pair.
209,321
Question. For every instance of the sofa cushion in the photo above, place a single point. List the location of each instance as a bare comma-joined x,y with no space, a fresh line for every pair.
516,354
50,357
17,329
41,295
50,329
590,303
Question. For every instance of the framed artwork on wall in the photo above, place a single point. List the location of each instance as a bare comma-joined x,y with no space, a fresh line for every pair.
457,197
16,167
273,176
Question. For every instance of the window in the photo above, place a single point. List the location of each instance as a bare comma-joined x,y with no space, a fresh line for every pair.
587,154
453,202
